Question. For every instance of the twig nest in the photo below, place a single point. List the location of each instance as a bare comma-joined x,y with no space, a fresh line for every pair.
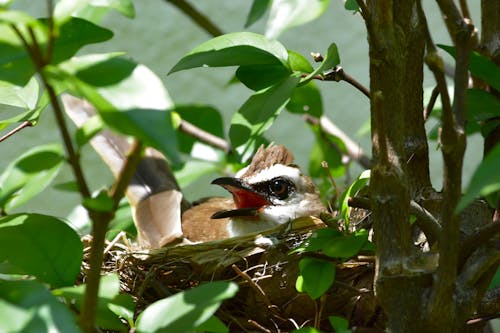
266,272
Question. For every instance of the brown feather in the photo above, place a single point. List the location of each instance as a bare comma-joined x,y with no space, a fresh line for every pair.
267,157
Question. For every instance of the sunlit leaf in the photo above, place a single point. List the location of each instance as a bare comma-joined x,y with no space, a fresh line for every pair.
32,306
187,309
24,97
27,242
317,276
285,14
258,9
235,49
29,174
359,183
16,65
298,62
485,180
212,325
64,9
258,114
91,127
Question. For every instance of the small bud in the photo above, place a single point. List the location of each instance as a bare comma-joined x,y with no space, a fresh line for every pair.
317,57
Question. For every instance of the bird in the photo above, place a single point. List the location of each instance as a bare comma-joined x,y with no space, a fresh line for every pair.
269,192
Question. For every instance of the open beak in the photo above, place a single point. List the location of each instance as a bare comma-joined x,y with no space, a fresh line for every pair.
248,202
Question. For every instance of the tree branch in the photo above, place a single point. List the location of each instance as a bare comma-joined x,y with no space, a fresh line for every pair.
353,150
23,125
197,17
338,74
425,220
430,106
204,136
479,238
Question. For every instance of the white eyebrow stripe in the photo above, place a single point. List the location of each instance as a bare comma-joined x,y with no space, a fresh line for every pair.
274,171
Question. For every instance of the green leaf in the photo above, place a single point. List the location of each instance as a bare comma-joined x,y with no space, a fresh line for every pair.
187,309
27,242
339,324
326,148
317,276
24,97
298,62
480,66
102,202
285,14
258,114
15,63
346,246
29,174
331,60
306,99
351,191
64,9
484,181
212,325
109,302
257,77
320,238
205,117
482,105
153,127
122,221
122,82
30,305
351,5
257,10
235,49
15,318
85,133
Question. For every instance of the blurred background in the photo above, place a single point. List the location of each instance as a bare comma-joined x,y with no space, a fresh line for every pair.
160,35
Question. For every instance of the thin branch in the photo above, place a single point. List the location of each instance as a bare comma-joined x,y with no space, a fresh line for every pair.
353,150
52,38
252,284
338,74
23,125
482,236
99,229
204,136
364,10
425,220
200,19
432,101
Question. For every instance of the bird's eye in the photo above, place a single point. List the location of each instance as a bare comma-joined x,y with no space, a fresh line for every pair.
279,188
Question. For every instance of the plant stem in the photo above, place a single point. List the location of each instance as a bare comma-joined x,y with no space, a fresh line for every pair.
99,228
197,17
23,125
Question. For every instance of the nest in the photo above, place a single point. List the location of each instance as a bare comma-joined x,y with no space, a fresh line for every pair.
266,272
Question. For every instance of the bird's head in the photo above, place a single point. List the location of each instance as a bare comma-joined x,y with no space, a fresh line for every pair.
270,191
